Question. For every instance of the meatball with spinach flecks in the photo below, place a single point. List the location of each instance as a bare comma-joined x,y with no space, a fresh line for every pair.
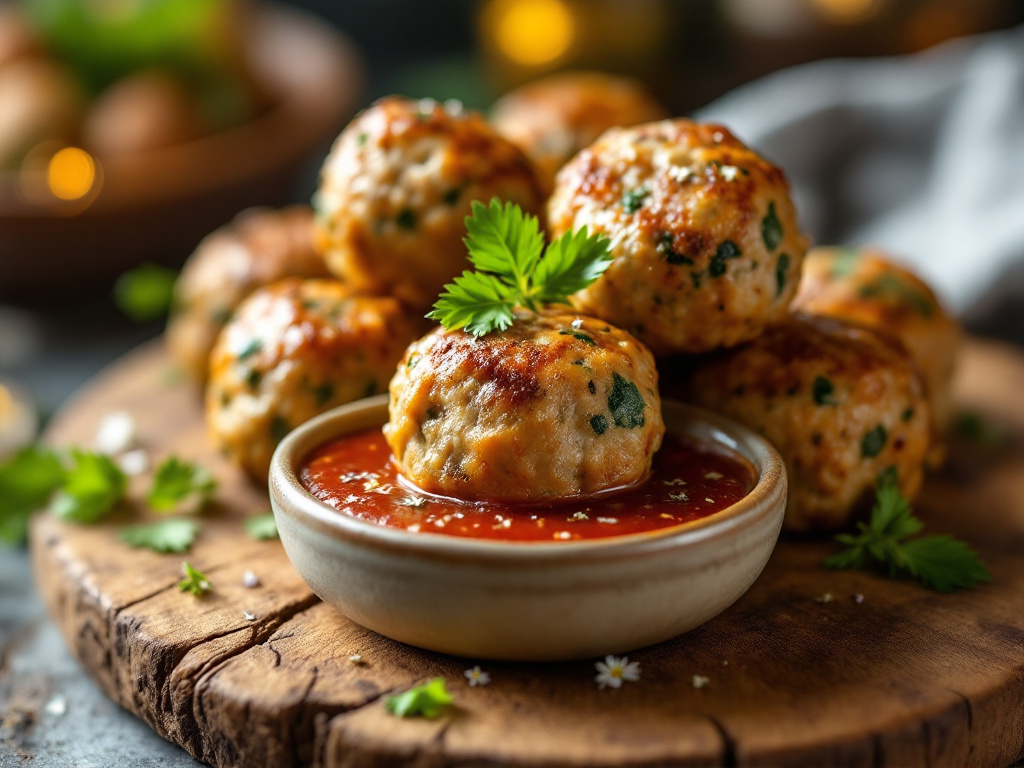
396,188
553,118
864,286
706,247
261,246
293,350
841,403
556,406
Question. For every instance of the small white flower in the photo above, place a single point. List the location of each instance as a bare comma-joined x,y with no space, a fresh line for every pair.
250,580
477,676
134,462
249,616
613,670
699,681
57,706
116,433
826,598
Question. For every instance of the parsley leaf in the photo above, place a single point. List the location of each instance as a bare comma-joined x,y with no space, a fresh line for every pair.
27,481
146,292
163,536
178,481
261,527
506,246
939,562
94,485
426,700
194,581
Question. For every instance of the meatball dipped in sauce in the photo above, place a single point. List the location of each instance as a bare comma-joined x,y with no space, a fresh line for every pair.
553,118
706,247
841,403
556,406
259,247
866,287
293,350
396,188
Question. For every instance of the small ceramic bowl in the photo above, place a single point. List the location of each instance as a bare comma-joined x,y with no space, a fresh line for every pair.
529,600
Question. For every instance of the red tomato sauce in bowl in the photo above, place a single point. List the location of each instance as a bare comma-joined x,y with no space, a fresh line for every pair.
689,481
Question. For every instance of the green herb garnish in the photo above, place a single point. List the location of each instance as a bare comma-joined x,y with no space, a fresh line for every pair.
771,229
633,200
163,536
939,562
146,292
665,246
725,251
406,219
625,403
781,272
261,527
93,486
177,482
599,424
506,246
427,700
822,390
873,442
27,481
194,581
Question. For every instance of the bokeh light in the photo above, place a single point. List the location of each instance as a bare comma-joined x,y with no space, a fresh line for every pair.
71,173
532,32
848,11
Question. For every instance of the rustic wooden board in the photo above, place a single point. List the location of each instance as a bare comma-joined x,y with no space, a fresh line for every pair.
906,677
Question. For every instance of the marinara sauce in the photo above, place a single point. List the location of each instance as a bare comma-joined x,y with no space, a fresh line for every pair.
356,476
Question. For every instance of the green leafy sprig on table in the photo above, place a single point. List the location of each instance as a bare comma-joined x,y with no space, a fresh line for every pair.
178,482
262,527
174,535
146,292
939,562
513,269
427,700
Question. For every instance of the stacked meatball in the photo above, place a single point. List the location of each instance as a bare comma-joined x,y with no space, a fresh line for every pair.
290,313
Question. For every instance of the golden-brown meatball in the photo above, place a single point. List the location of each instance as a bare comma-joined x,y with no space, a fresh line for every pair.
395,191
706,247
293,350
259,247
842,403
555,406
866,287
553,118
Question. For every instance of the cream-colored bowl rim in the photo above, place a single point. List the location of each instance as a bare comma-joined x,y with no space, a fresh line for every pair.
294,501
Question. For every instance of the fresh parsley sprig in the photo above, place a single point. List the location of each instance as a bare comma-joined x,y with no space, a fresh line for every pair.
180,484
427,700
513,270
939,562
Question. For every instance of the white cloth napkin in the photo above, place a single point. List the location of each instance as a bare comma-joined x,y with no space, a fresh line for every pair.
920,155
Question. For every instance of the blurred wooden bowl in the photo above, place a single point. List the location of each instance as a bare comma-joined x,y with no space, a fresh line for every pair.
156,206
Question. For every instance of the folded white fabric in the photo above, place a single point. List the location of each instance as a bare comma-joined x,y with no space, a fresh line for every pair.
920,155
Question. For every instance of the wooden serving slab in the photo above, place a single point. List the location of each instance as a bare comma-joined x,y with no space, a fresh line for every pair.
799,671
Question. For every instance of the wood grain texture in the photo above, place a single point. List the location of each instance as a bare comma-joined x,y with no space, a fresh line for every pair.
906,677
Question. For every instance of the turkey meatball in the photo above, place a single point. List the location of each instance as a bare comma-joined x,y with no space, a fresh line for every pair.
842,404
868,288
293,350
556,406
259,247
553,118
706,247
395,191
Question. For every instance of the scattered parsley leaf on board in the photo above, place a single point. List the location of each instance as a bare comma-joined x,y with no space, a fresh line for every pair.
27,481
163,536
261,527
94,485
426,700
146,292
194,581
941,563
506,247
176,482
